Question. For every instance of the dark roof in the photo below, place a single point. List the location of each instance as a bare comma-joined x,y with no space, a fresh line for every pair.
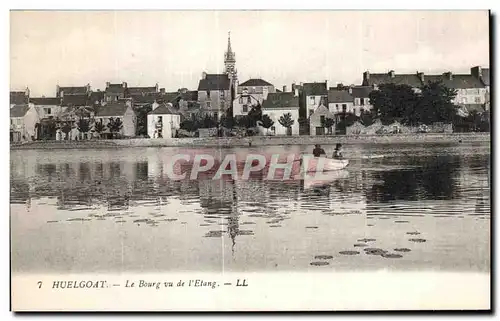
280,100
146,99
255,82
18,97
96,96
399,79
278,91
76,100
141,90
190,95
361,91
73,90
215,82
456,82
113,109
115,88
485,75
19,110
315,89
164,109
339,96
45,100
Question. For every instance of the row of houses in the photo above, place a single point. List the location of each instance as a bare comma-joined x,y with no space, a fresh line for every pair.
222,94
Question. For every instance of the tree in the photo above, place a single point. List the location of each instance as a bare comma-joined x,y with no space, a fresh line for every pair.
243,121
254,115
66,128
209,122
366,118
436,104
266,122
83,125
227,121
328,123
142,119
189,125
395,102
99,128
115,125
287,122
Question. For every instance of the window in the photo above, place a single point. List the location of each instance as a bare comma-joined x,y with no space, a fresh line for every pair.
337,105
362,101
249,100
11,121
344,108
273,128
208,94
477,100
322,119
49,111
367,101
312,100
216,115
245,108
222,93
208,104
241,100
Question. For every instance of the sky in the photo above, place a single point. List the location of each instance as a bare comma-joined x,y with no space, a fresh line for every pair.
173,48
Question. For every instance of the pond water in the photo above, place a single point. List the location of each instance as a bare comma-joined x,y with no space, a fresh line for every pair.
413,207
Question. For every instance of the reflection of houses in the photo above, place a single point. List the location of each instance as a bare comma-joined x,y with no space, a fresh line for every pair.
279,104
317,120
163,121
23,120
120,110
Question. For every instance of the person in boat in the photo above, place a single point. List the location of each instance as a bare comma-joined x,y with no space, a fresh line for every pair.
318,151
337,153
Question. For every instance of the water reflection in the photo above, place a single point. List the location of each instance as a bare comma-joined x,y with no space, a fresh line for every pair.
375,197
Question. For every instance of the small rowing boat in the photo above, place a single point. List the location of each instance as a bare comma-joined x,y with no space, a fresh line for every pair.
320,164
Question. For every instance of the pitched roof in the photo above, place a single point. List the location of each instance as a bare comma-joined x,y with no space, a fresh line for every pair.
19,110
73,90
361,91
145,99
485,76
255,82
399,79
214,82
190,95
76,100
164,109
18,97
46,100
112,109
141,90
96,96
280,100
456,81
115,88
315,89
339,96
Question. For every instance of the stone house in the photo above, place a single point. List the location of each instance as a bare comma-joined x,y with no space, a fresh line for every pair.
214,94
340,100
256,87
317,121
313,95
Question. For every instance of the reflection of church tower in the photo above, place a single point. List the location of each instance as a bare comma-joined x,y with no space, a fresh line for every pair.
230,67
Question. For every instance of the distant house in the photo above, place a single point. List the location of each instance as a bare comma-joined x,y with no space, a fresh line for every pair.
47,107
19,97
317,120
23,120
314,95
279,104
121,110
256,87
72,91
374,80
115,92
214,94
340,100
483,74
361,95
163,121
135,91
244,102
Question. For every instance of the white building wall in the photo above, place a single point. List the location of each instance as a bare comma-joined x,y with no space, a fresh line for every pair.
276,113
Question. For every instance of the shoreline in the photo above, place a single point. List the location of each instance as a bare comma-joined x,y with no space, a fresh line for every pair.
228,142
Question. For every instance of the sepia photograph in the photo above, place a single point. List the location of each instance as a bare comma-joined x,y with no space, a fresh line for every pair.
160,157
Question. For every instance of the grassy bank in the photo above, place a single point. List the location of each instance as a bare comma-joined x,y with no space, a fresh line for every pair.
258,141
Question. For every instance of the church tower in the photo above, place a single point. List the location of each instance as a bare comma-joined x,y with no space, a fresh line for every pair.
230,62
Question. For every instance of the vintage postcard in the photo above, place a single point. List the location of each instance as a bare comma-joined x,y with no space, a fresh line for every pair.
250,160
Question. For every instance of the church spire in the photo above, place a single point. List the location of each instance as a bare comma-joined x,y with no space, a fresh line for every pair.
229,56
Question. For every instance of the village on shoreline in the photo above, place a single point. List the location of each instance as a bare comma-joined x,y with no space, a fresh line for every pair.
385,107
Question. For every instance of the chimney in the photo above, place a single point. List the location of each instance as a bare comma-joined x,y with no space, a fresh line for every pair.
293,87
326,84
476,72
57,90
88,87
420,76
391,73
107,84
448,75
156,87
124,84
284,88
366,75
27,92
162,91
296,92
301,84
350,90
203,75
